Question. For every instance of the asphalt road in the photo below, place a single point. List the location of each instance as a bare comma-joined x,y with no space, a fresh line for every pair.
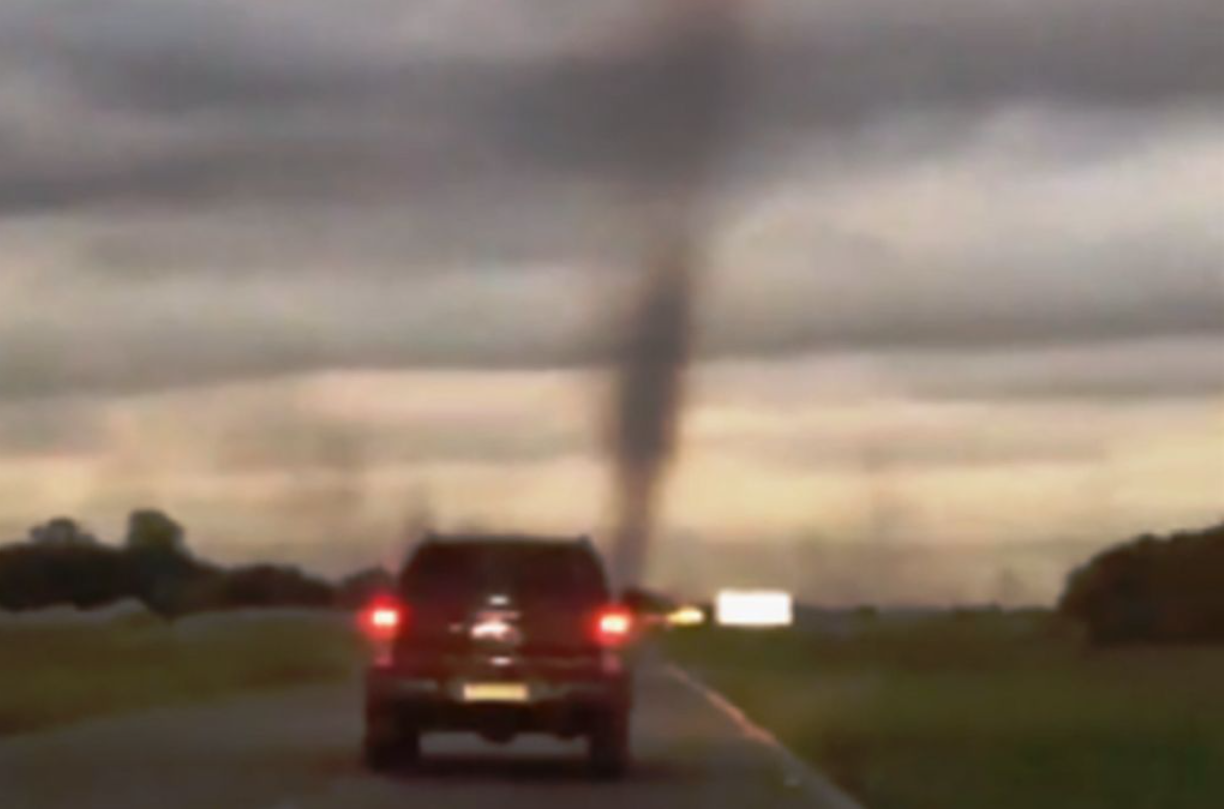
297,750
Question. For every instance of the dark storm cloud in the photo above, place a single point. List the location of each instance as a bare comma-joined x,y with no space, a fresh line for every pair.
835,293
924,450
309,102
1011,333
888,322
1137,374
197,329
189,148
263,442
847,66
859,58
1130,371
50,428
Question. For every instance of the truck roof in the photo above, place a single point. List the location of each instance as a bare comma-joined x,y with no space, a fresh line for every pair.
508,539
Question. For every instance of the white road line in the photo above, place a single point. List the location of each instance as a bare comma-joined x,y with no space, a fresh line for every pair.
798,771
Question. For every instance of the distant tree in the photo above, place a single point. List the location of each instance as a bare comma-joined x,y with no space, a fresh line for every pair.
1153,590
62,532
64,565
38,575
150,530
258,586
163,570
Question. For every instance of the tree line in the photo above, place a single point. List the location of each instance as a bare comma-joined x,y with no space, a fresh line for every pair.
62,564
1152,589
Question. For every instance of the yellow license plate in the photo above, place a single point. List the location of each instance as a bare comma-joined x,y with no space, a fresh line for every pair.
495,692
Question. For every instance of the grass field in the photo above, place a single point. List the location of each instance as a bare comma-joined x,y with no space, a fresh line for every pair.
57,672
981,711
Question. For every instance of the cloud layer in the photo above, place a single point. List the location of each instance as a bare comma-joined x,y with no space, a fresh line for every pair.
983,209
290,181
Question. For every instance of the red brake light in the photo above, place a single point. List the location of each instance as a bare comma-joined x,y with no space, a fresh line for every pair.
384,618
613,626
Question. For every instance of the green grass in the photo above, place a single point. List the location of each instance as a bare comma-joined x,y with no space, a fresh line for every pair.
981,712
54,673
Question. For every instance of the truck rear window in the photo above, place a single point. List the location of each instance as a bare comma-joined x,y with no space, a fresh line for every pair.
526,572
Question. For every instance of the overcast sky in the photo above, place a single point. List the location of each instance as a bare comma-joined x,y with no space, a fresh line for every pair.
287,268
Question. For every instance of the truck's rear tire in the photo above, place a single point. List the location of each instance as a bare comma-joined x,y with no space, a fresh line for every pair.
608,744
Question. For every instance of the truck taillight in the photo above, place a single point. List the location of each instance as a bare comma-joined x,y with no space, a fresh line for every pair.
384,619
613,626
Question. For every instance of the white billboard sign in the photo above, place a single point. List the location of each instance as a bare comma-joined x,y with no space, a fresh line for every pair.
754,608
